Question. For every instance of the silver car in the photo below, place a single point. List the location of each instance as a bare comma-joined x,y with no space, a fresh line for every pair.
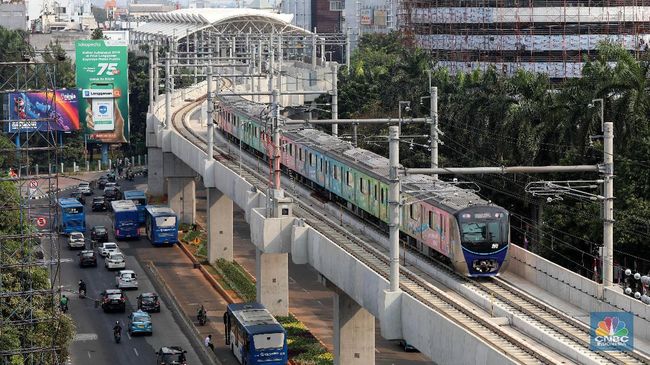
76,240
84,188
126,279
115,260
108,247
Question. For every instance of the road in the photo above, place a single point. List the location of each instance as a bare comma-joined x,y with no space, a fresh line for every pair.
94,342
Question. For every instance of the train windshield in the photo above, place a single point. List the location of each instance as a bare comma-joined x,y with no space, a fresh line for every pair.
481,232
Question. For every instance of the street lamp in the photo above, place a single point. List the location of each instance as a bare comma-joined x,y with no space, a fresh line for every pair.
407,108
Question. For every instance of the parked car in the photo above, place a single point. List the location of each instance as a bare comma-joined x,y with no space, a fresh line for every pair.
171,355
84,188
115,260
112,184
76,240
101,182
99,203
113,300
112,193
87,258
149,302
99,234
107,247
79,196
126,279
140,322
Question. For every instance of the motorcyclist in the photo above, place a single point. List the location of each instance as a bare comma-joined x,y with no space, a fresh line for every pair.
201,314
82,286
117,330
64,303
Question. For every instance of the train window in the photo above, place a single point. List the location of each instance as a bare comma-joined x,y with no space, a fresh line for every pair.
383,199
348,177
311,159
376,188
430,219
361,185
321,164
327,167
300,154
336,172
290,149
412,211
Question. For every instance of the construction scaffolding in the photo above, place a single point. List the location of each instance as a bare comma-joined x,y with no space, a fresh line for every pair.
29,252
547,36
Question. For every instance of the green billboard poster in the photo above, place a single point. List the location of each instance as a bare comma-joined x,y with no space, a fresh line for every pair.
102,79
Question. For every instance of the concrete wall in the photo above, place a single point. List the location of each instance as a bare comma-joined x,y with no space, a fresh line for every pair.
577,289
13,16
66,39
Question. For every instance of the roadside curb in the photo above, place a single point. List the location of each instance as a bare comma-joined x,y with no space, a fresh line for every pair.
213,282
197,343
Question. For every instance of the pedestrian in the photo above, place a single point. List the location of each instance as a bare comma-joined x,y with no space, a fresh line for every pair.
208,342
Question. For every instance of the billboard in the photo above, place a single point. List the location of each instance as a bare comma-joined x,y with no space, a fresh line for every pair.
102,79
28,111
366,17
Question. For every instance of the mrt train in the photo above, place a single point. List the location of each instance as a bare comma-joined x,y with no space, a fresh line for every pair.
438,218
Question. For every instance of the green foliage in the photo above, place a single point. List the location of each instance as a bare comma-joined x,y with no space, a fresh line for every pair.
138,102
97,33
65,73
304,348
236,279
16,278
490,119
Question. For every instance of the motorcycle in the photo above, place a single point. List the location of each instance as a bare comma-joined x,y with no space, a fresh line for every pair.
82,293
203,319
129,176
118,336
64,308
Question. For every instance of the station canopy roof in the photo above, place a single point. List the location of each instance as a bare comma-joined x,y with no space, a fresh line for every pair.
179,23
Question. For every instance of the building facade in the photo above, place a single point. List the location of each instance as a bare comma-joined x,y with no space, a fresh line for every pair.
547,36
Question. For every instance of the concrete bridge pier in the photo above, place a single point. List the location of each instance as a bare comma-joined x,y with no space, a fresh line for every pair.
354,331
272,274
220,226
181,188
156,183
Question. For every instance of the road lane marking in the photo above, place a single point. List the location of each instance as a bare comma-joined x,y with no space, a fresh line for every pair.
136,352
305,290
88,354
128,335
319,302
85,337
291,280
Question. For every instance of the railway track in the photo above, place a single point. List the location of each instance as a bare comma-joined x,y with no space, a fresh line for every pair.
551,322
518,350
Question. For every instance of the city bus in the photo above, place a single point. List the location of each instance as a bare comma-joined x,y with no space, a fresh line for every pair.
254,335
70,217
139,199
125,219
161,225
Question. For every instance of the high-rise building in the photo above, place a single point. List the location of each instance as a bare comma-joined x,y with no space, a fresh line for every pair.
549,36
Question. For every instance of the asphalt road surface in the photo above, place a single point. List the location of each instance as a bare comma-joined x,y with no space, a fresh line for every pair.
94,342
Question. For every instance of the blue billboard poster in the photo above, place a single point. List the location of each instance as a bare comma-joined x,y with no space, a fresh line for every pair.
55,111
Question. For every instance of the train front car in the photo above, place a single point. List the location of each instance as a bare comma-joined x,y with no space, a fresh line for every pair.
484,239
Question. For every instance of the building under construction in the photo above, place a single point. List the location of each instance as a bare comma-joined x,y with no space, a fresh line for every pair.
547,36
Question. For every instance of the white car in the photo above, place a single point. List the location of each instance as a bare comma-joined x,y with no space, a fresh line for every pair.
126,279
76,240
84,188
115,260
108,247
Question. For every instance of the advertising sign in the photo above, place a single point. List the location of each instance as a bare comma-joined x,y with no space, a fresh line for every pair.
612,331
366,17
380,18
102,78
30,111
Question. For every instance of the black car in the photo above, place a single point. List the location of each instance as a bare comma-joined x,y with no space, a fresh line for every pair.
149,302
99,234
101,182
79,196
113,300
87,258
112,193
99,203
111,176
169,355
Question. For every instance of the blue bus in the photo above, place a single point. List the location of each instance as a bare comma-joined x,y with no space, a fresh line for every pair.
254,335
140,201
125,219
71,217
161,224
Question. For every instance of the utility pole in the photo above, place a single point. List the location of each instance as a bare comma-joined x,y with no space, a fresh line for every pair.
210,110
335,98
168,96
434,127
275,108
608,204
394,204
152,67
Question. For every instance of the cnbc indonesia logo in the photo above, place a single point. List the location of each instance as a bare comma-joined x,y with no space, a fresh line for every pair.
612,331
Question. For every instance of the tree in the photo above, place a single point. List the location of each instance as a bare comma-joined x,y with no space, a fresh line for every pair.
97,33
